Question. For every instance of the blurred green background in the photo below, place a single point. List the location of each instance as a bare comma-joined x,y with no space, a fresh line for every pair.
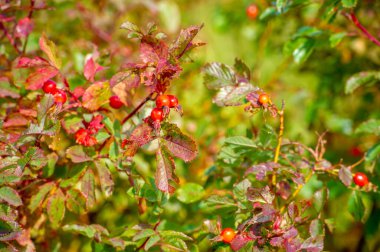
313,92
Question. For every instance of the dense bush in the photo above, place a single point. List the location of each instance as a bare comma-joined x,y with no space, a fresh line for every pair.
146,137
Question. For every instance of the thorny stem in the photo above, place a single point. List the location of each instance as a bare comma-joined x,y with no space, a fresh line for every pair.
280,134
138,107
356,22
295,193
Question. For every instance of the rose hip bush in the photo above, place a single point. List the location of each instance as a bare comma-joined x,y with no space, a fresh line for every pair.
90,141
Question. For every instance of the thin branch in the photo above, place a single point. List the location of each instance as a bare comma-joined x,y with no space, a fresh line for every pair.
29,16
11,40
351,16
138,107
279,141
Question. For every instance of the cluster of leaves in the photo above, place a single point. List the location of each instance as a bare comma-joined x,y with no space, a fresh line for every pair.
263,201
54,156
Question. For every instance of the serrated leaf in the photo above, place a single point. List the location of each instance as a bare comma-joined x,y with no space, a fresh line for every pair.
360,79
177,143
105,177
49,48
190,193
38,198
345,176
371,126
175,234
240,141
144,234
242,70
356,206
88,188
43,106
130,27
76,201
10,196
56,208
218,75
233,95
263,195
88,231
77,154
96,95
165,170
153,240
178,47
349,3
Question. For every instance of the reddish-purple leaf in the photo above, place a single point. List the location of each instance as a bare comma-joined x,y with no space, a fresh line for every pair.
165,170
313,244
91,68
239,241
148,53
276,241
36,80
15,120
284,189
261,169
48,47
25,62
141,135
316,228
128,79
96,95
182,43
24,27
263,195
345,176
178,144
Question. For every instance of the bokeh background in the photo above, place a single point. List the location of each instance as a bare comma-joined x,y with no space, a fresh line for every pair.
313,92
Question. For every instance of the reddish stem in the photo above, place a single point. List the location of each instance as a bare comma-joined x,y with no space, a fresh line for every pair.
9,37
356,22
29,16
137,108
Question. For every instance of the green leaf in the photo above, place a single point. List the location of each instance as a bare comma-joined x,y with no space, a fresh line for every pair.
96,95
178,144
373,153
174,234
281,4
190,193
240,190
240,141
349,3
371,126
356,206
144,234
43,107
37,199
307,31
105,177
76,201
49,48
130,27
165,170
88,188
268,13
56,208
77,154
153,240
10,196
301,48
336,38
361,79
88,231
218,75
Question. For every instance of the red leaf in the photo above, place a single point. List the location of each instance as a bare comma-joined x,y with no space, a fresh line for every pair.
15,121
239,241
24,27
165,169
96,95
25,62
37,79
48,47
95,124
91,68
140,136
180,46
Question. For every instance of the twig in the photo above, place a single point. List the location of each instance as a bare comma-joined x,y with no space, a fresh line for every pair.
155,227
138,107
351,16
29,16
280,134
11,40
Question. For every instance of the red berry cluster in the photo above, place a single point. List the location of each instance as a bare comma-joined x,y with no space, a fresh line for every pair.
163,104
50,87
86,136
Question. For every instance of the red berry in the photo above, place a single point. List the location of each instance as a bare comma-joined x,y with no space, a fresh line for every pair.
356,152
115,102
252,11
50,87
157,114
263,99
360,179
60,96
173,101
162,100
228,234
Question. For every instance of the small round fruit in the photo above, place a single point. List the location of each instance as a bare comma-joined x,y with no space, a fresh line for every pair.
50,87
173,101
263,99
157,114
252,11
115,102
60,96
228,234
360,179
162,100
